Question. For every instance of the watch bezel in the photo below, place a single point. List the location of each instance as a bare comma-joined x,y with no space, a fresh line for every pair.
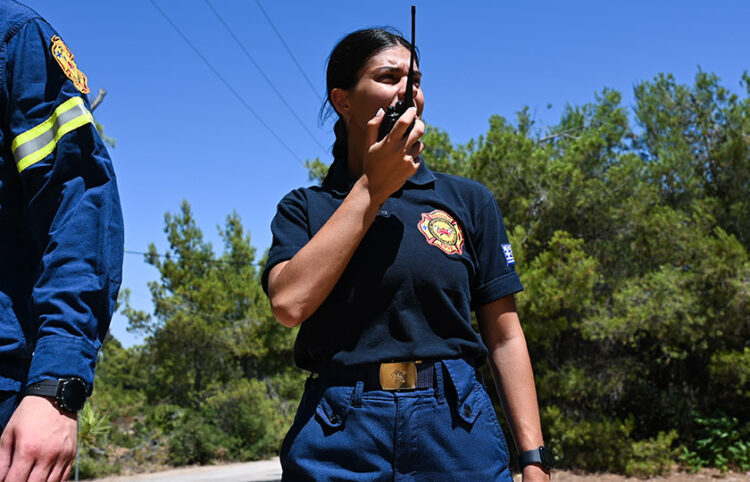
64,388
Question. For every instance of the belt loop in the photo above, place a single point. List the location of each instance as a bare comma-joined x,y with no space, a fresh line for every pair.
439,386
357,394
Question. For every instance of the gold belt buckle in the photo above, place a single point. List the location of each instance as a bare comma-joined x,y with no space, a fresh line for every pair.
398,375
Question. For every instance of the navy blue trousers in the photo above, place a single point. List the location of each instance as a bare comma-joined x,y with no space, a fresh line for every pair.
448,432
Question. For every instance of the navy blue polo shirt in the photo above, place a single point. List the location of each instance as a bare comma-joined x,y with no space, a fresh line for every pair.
437,250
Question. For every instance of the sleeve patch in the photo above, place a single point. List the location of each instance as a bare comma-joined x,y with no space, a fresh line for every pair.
508,252
65,59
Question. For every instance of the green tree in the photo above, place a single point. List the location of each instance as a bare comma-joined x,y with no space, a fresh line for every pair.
211,320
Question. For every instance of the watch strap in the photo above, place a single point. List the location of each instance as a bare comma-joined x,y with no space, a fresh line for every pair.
539,456
45,388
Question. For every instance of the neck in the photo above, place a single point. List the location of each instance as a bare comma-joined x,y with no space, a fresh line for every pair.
356,161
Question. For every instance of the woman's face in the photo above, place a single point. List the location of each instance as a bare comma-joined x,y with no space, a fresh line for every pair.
382,82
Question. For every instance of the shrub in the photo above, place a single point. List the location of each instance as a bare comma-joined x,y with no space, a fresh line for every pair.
252,416
593,445
198,441
721,442
653,456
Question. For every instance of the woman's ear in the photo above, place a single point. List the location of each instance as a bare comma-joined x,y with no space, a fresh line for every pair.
340,101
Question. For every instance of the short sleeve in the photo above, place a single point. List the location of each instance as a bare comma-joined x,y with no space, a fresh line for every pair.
496,275
290,229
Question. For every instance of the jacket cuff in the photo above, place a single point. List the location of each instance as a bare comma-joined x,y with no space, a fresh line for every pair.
59,356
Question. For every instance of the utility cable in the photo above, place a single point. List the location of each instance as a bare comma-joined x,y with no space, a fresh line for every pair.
231,89
250,57
176,257
289,51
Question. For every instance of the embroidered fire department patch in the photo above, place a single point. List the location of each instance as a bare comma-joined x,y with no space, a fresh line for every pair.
65,59
443,231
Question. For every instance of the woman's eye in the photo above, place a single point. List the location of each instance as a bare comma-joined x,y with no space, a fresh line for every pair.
389,79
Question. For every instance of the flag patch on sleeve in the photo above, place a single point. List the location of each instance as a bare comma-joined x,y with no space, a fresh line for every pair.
508,252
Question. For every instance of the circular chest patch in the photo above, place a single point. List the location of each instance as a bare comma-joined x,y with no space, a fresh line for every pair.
65,59
441,230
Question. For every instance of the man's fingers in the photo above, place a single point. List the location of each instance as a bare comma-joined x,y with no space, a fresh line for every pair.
39,473
66,471
20,467
373,127
6,452
57,470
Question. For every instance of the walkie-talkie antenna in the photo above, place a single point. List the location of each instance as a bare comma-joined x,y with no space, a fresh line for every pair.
394,112
409,96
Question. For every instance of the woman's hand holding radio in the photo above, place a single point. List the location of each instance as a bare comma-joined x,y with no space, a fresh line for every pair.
390,162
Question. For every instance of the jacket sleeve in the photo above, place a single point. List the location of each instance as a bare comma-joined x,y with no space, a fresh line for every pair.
72,206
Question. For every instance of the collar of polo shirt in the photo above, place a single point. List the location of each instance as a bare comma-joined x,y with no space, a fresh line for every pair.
341,181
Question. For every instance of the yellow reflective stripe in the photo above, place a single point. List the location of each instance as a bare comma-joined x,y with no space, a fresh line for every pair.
37,143
45,126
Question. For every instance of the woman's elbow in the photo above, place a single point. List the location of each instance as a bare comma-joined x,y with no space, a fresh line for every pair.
288,314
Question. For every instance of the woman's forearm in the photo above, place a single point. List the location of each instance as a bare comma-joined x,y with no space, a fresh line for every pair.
514,378
511,368
299,286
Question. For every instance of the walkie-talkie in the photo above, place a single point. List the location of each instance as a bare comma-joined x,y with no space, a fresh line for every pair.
394,112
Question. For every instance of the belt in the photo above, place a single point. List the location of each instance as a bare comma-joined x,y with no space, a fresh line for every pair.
392,376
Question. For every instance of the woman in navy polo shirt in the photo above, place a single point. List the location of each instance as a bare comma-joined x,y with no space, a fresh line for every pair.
381,267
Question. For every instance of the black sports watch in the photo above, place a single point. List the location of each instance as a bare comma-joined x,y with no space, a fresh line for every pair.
69,393
541,456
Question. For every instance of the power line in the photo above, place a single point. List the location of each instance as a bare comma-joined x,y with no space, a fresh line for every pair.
231,89
289,51
250,57
215,261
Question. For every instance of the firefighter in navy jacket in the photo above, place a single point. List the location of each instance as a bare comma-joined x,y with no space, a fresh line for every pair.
61,246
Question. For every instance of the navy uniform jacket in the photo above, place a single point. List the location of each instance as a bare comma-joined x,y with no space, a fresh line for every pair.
437,250
61,233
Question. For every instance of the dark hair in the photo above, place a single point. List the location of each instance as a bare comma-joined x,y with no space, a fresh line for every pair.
346,60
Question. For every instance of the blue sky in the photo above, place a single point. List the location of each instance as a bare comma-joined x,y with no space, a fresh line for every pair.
182,134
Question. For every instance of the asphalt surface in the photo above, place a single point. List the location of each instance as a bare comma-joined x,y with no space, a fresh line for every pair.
261,471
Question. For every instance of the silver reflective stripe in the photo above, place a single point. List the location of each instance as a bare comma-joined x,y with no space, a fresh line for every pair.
40,141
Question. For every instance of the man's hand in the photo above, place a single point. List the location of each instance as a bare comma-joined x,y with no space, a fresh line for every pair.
39,442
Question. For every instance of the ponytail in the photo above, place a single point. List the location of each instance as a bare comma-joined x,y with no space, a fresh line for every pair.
340,148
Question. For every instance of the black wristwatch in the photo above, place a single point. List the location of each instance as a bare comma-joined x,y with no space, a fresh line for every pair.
541,456
69,393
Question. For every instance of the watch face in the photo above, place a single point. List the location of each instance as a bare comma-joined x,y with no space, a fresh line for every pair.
72,394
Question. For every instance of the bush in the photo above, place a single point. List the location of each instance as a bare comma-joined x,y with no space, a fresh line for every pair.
250,415
92,467
721,443
198,441
593,445
654,456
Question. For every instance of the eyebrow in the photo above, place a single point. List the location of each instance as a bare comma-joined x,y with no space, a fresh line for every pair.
393,68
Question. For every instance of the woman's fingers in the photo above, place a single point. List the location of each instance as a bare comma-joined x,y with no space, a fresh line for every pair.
413,144
373,126
403,123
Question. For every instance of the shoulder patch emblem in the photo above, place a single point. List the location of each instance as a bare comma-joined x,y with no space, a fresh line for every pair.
65,59
443,231
508,252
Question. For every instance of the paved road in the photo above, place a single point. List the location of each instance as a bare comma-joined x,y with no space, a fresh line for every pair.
262,471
